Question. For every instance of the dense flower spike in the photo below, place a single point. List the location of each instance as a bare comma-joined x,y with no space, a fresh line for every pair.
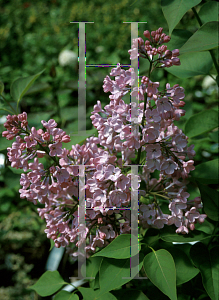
142,133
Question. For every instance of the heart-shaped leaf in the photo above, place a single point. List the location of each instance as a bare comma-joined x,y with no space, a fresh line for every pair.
64,295
49,283
120,247
205,38
90,294
160,269
114,273
129,294
92,266
174,10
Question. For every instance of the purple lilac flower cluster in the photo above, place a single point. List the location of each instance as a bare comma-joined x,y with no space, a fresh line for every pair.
142,131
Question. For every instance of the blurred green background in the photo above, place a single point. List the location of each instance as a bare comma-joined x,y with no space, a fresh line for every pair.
32,36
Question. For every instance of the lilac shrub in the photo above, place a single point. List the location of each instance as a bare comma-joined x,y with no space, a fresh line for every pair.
143,134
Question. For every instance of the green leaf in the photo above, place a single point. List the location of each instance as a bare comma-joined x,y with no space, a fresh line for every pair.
34,119
120,248
92,266
208,264
1,87
52,243
16,171
209,12
160,269
4,143
200,123
206,227
21,85
80,139
151,236
210,199
5,109
69,113
174,10
215,269
185,271
90,294
178,38
38,88
129,294
192,64
64,295
94,284
214,136
49,283
114,273
207,172
205,38
168,234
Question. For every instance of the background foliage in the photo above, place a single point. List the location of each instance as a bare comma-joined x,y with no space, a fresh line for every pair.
32,35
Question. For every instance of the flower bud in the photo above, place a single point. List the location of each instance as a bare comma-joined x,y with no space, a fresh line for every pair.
168,63
147,34
66,139
163,48
140,41
147,43
176,61
175,52
166,39
159,30
168,54
192,226
157,37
